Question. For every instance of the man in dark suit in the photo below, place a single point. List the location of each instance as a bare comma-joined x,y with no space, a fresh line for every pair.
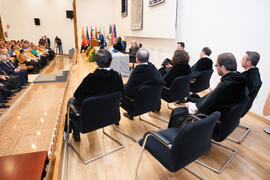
132,52
204,63
144,73
254,83
228,92
11,70
103,81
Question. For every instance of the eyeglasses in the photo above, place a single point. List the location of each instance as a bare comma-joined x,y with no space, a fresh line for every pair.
217,65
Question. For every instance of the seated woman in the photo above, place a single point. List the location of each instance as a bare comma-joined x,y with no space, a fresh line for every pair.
180,67
102,81
166,66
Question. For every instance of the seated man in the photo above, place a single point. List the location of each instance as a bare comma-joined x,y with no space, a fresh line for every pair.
254,83
204,63
144,73
228,92
103,81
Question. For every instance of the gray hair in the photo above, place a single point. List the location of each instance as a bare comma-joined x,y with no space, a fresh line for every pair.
142,55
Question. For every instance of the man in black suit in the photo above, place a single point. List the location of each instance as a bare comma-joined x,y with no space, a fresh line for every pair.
204,63
254,83
103,81
144,73
229,91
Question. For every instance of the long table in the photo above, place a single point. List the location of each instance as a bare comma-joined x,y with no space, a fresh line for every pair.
120,62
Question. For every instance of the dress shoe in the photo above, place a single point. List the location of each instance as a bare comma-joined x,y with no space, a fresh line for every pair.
156,110
76,135
128,116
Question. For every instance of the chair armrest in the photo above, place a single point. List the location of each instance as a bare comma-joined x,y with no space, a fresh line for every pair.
166,88
132,100
73,108
159,137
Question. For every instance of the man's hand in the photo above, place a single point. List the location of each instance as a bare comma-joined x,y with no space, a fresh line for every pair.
1,85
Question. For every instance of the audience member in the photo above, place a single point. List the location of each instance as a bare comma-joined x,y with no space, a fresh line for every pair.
249,63
59,44
180,46
118,45
228,92
204,63
180,67
144,73
102,81
167,64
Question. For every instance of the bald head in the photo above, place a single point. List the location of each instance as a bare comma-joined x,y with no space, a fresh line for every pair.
142,55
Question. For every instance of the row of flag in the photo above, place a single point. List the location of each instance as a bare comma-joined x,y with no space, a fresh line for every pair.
93,33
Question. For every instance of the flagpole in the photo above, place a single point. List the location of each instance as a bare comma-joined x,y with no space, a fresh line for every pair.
75,28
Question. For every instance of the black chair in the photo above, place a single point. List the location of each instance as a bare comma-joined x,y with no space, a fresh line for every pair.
252,95
225,126
178,91
124,47
147,99
201,81
175,148
92,117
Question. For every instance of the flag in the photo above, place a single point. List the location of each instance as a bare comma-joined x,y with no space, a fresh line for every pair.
87,34
114,31
91,32
111,35
83,36
96,32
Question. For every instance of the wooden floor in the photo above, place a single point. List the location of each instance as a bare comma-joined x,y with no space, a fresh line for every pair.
29,124
251,162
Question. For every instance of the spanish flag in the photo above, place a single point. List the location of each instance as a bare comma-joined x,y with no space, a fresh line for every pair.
83,36
111,35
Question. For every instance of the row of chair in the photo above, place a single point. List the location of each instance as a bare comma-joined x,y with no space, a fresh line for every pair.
171,147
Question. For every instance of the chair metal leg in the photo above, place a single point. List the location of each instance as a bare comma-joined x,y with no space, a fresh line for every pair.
242,137
149,122
219,171
125,134
158,118
130,137
99,156
193,173
267,130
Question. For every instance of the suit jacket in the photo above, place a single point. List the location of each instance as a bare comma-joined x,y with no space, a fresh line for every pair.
142,75
203,64
176,71
133,50
98,83
118,46
254,84
7,68
230,91
253,78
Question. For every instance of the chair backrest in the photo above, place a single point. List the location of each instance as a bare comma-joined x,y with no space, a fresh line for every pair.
124,46
147,99
230,120
99,111
252,95
194,140
202,81
179,88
